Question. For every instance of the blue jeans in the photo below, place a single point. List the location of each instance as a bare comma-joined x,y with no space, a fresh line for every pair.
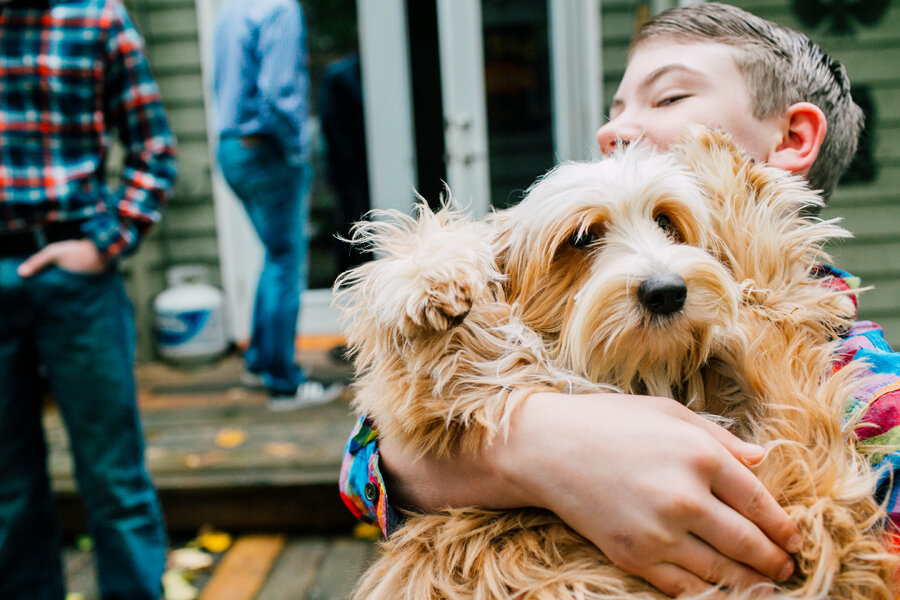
80,328
274,196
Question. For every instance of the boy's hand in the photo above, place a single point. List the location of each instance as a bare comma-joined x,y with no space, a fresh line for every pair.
77,256
662,491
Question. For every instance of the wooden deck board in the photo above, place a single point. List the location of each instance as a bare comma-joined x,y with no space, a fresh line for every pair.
278,568
80,578
181,438
296,570
282,474
340,569
281,479
244,568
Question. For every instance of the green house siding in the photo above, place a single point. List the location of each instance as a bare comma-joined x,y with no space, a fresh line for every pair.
187,233
871,210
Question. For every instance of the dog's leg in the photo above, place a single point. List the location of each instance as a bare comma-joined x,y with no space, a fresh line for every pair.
441,359
469,554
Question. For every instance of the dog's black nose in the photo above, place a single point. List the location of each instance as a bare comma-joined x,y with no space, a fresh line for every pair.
663,295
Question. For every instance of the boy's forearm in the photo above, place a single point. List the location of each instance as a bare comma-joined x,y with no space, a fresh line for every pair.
424,483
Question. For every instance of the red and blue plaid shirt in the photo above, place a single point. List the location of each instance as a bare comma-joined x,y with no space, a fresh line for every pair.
72,72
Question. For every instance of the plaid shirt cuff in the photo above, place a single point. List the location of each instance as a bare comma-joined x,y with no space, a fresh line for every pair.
111,236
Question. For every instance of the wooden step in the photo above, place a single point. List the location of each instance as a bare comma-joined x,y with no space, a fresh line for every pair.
218,456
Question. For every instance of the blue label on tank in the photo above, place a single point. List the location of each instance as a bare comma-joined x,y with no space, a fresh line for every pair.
174,329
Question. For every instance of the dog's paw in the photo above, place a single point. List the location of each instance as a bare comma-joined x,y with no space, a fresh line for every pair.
440,306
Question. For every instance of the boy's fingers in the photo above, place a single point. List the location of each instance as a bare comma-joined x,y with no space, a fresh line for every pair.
749,454
706,562
675,581
737,487
37,262
737,538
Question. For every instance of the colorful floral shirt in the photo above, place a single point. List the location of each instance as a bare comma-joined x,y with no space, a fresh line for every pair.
363,490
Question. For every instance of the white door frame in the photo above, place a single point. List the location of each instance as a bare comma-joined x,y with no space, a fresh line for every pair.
384,60
240,252
464,101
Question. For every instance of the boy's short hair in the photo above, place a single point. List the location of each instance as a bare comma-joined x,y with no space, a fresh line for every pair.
781,67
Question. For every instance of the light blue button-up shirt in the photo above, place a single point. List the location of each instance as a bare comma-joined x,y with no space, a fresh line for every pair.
261,78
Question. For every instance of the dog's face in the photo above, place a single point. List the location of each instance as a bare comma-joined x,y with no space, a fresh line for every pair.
609,261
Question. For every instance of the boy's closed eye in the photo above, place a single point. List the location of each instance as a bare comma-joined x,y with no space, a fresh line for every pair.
666,101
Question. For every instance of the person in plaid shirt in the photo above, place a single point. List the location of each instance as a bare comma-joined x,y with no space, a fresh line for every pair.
72,72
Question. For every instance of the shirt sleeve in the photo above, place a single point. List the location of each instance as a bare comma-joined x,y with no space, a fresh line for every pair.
879,399
361,484
133,107
283,78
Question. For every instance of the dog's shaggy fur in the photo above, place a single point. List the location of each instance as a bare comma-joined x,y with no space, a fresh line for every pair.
572,290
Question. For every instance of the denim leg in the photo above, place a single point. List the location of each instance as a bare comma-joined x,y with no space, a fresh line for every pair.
86,341
274,195
30,546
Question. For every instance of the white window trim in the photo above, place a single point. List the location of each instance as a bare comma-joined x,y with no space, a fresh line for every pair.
460,37
577,83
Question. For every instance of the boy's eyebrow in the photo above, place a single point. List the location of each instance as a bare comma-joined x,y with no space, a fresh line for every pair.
649,79
617,102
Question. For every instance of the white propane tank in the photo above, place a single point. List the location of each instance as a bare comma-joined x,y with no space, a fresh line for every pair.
190,325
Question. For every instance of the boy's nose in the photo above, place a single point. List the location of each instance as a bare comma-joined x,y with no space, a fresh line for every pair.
612,136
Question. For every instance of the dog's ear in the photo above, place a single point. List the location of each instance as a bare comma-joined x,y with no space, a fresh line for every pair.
713,156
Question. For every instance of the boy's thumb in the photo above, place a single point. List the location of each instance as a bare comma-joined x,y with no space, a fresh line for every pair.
35,263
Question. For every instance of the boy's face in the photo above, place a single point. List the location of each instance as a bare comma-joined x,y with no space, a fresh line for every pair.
670,85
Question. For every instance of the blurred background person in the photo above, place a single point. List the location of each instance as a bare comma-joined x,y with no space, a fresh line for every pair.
261,85
343,127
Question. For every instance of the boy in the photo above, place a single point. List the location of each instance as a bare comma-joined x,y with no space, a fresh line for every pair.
664,493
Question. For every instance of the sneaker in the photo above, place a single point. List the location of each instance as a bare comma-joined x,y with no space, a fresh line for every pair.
311,393
252,380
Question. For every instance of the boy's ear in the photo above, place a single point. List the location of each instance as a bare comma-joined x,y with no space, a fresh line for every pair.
803,129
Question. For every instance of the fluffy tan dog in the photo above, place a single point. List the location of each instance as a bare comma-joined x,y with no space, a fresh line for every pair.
691,275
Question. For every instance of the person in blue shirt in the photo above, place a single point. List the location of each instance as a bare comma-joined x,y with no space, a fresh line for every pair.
261,84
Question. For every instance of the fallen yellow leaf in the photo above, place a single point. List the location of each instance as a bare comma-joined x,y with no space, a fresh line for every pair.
280,449
230,438
365,531
214,541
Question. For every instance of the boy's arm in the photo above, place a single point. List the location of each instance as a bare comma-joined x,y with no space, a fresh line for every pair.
283,79
659,489
133,107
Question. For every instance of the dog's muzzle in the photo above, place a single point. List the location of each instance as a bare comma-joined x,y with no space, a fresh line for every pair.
663,295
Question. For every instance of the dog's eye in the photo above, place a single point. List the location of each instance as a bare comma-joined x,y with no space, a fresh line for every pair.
582,239
664,222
